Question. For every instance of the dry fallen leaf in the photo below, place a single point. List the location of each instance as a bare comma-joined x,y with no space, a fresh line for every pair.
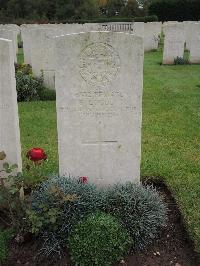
2,155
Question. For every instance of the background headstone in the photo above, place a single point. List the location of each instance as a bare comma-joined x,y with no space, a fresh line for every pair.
10,35
189,31
27,38
42,49
174,42
138,29
9,122
195,44
15,28
42,55
99,81
152,32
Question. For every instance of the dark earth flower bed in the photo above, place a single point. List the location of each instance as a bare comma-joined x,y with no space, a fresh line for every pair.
172,247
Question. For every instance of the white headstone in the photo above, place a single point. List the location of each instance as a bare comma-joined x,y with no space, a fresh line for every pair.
138,29
42,55
116,26
26,34
10,35
152,32
15,29
189,27
42,49
99,81
195,44
173,43
9,122
26,38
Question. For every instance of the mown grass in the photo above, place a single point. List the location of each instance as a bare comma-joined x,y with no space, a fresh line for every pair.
20,56
38,129
170,134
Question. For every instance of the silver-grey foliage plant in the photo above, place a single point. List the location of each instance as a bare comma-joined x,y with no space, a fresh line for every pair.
73,200
140,208
67,201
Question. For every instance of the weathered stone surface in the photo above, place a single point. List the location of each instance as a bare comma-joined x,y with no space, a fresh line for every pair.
174,42
99,80
10,35
9,122
12,27
26,34
42,55
138,29
116,26
188,26
28,38
42,48
152,32
195,44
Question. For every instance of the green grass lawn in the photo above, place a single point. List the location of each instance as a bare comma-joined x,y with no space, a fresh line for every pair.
20,56
170,134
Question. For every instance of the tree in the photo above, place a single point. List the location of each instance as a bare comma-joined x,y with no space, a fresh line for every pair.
88,9
131,9
179,10
102,3
16,8
115,7
65,9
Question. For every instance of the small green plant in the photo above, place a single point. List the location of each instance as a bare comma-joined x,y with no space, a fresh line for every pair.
5,236
140,208
98,240
181,61
30,88
11,193
49,219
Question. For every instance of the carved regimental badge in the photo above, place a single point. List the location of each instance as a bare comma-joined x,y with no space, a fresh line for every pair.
99,64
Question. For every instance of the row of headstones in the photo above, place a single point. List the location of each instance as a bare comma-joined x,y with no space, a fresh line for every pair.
99,82
149,31
39,44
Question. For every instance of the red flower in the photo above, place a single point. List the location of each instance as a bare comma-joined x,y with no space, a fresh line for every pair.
36,154
83,179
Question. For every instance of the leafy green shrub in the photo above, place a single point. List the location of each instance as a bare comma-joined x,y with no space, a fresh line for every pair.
30,88
181,61
140,208
5,237
98,240
58,204
175,10
146,19
150,18
26,69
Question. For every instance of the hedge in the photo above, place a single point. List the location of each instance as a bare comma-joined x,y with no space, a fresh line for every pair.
175,10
